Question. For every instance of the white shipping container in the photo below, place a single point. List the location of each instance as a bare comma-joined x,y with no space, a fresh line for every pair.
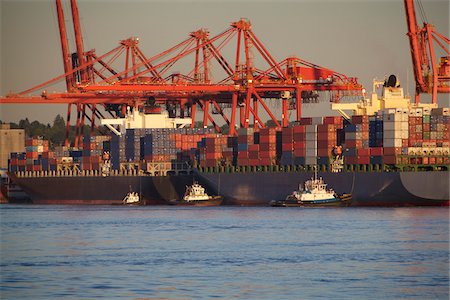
310,160
387,111
392,126
392,134
426,111
415,112
311,136
317,120
392,143
311,128
311,144
311,152
405,117
392,117
404,126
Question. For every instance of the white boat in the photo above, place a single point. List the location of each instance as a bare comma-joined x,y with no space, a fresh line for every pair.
196,195
131,198
314,192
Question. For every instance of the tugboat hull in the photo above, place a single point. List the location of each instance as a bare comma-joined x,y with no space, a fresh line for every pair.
214,201
340,201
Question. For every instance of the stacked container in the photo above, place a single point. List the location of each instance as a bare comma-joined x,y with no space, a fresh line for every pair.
38,157
287,146
357,141
245,138
395,135
327,138
267,146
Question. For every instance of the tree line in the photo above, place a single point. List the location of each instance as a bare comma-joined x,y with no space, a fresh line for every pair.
55,133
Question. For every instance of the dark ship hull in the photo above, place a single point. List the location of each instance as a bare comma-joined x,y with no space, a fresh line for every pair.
99,190
247,189
367,188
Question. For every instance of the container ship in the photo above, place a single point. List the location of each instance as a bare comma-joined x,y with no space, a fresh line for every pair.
397,156
388,152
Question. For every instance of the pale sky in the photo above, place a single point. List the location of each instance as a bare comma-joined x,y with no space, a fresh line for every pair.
364,39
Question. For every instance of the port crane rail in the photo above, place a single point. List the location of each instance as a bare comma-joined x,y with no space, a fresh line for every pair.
125,77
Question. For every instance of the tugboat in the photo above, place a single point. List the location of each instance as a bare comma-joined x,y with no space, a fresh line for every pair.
132,198
195,195
314,192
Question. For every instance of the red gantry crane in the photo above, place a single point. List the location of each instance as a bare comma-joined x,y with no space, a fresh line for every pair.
247,81
431,77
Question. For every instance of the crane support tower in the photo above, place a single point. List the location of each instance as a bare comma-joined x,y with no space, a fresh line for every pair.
431,77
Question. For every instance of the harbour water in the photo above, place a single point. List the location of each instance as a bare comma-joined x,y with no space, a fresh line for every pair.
108,252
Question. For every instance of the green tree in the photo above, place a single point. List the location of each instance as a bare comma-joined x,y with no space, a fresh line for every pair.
58,131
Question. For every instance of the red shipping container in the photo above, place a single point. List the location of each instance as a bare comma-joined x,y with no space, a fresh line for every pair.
415,160
332,120
376,151
363,152
299,129
300,152
227,154
392,151
253,154
32,155
287,131
299,144
253,147
299,136
286,147
243,161
265,161
432,160
96,159
268,131
253,162
363,160
325,128
305,121
323,152
325,136
267,154
242,154
326,144
267,139
390,159
350,160
360,119
353,143
213,155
